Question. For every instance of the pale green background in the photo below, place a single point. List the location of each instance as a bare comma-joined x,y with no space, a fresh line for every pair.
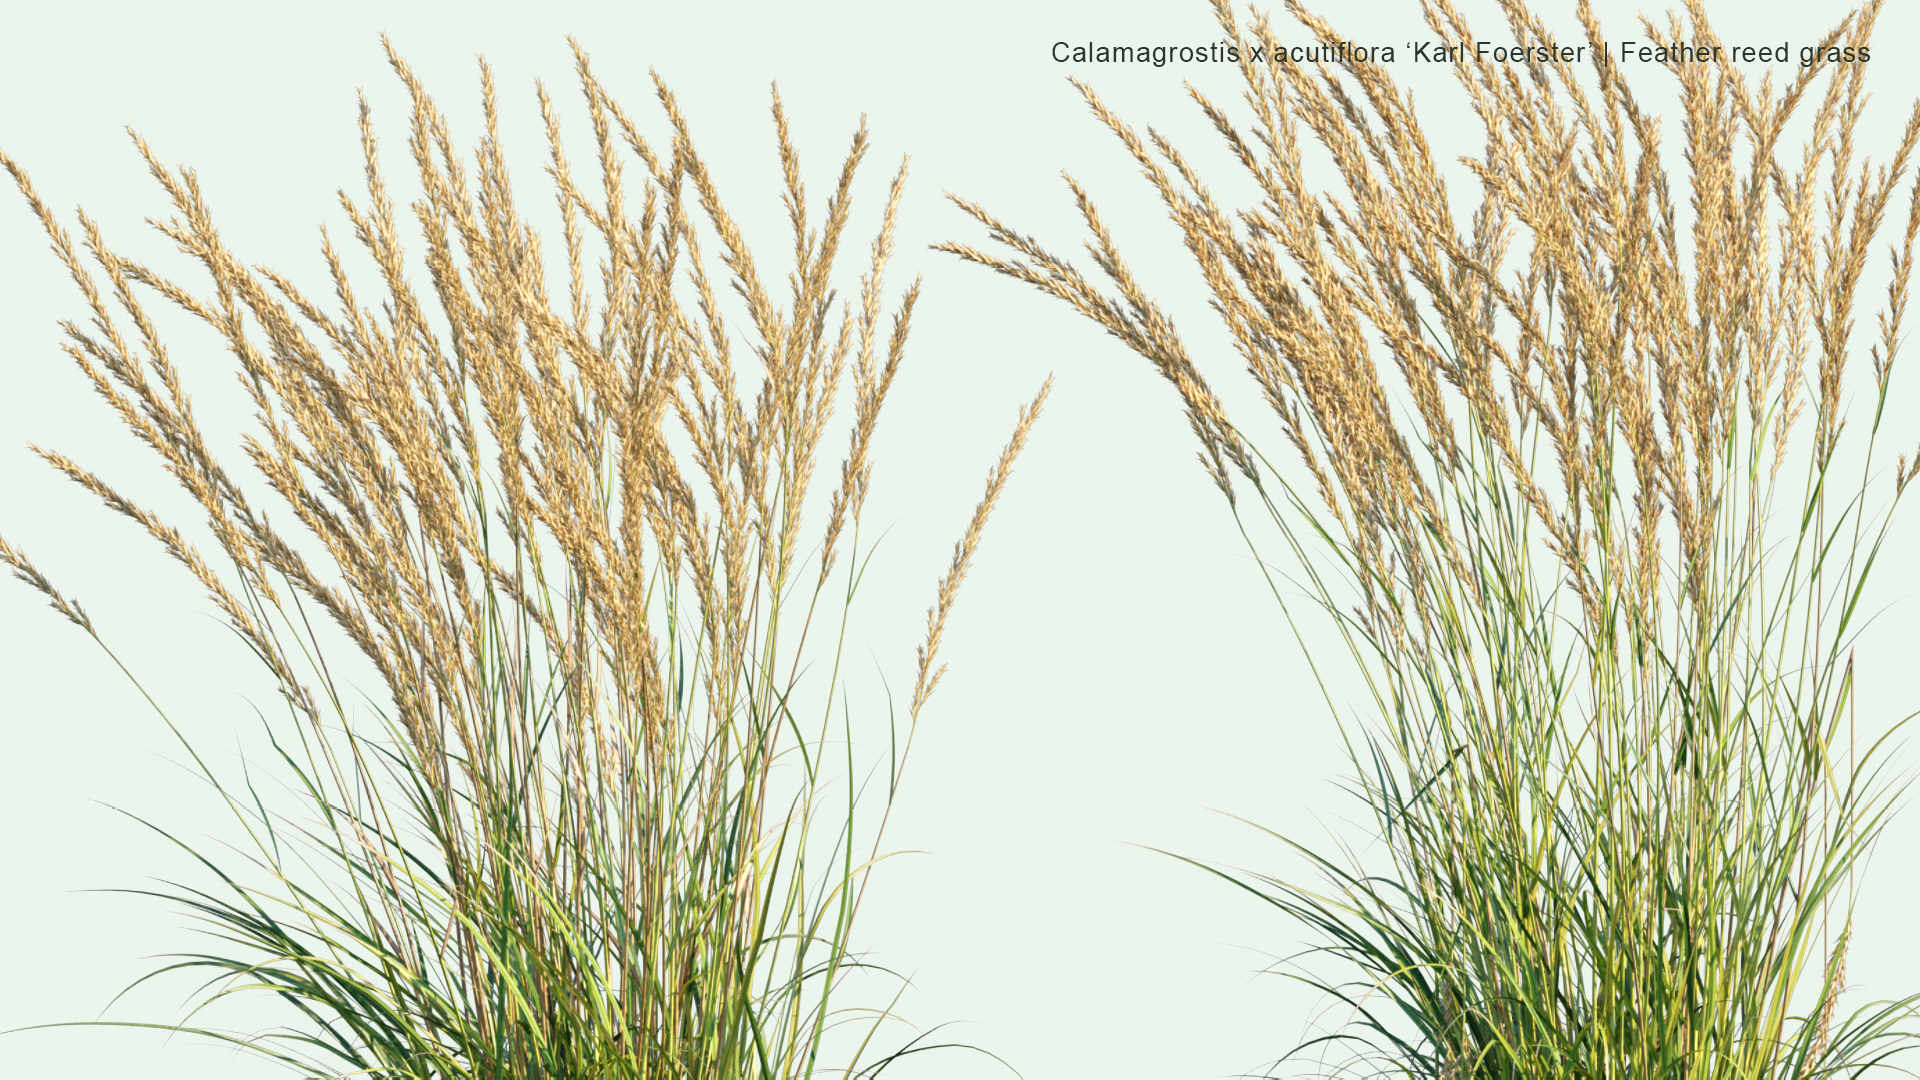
1117,671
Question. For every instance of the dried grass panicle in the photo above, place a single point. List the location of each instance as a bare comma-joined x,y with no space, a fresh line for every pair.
562,524
964,549
1836,976
24,570
1544,433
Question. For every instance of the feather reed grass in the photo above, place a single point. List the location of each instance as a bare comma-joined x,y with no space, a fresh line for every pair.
591,828
1574,478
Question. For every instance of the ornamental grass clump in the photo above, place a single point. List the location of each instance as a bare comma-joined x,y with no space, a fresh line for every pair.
1588,474
600,818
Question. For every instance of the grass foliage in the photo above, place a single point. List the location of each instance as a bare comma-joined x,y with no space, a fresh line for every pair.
1574,477
599,821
